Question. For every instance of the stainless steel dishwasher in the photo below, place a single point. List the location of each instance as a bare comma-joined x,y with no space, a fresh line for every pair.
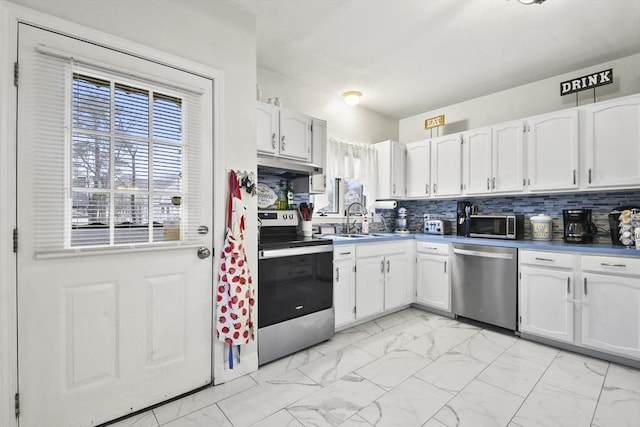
485,284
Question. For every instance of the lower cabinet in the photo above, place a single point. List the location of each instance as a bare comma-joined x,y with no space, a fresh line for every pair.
433,280
344,284
584,300
611,305
370,281
547,287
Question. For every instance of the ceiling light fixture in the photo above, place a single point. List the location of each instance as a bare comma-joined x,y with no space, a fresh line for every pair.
531,1
352,97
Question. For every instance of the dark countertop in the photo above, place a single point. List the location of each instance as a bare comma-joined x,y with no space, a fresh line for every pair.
554,245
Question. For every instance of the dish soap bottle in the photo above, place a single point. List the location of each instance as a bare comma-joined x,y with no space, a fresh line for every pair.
282,196
289,193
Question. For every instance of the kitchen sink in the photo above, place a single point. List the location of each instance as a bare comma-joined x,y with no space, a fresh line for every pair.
349,236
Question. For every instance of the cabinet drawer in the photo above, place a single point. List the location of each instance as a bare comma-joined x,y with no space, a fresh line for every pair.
344,252
386,248
549,259
611,265
432,248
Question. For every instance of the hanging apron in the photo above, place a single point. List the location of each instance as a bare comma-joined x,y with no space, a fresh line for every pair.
235,297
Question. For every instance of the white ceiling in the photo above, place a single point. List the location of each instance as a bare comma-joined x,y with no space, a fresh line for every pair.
412,56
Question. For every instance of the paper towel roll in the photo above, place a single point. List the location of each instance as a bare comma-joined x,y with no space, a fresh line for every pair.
385,204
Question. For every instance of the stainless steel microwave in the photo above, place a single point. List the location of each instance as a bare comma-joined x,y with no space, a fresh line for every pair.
509,226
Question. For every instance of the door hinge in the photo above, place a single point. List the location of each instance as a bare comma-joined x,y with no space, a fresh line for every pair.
15,240
17,404
16,73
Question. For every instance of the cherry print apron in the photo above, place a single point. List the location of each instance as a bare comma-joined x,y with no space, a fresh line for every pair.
235,297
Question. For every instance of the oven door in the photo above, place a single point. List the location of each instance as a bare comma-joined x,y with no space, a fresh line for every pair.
294,282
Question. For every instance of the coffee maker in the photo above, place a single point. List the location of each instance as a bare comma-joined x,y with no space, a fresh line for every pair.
465,210
578,226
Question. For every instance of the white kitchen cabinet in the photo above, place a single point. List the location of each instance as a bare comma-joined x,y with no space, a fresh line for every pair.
295,135
391,169
267,127
612,143
507,161
446,165
433,279
611,305
476,161
418,169
283,132
344,284
318,182
370,280
552,151
546,294
384,276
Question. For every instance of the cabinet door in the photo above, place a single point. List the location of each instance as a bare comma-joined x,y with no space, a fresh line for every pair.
370,273
398,281
344,291
611,314
432,281
476,161
267,130
398,162
295,135
418,169
384,169
507,157
318,182
546,303
552,151
446,166
613,143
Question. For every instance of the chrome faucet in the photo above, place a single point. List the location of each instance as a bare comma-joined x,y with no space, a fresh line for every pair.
364,212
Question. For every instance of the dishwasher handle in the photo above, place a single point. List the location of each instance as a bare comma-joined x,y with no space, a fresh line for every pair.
483,254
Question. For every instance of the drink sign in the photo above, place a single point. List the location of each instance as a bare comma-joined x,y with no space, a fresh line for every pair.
593,80
434,122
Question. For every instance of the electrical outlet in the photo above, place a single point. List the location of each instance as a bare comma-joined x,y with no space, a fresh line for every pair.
426,217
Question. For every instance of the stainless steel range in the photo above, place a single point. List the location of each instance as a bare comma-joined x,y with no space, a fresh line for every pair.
295,287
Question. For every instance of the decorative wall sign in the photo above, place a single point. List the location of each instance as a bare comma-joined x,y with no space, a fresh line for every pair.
434,122
599,78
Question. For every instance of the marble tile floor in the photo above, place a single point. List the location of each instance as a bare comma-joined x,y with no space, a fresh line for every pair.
414,368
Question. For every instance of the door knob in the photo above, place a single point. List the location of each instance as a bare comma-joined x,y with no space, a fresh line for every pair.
203,252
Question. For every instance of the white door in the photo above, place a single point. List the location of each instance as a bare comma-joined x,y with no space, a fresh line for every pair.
432,281
446,165
344,285
398,283
295,135
114,315
418,169
369,286
546,303
507,162
476,161
267,131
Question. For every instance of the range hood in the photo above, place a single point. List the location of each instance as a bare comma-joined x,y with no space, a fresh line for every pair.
288,165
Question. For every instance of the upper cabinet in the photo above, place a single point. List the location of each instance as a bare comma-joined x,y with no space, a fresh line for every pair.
492,159
391,169
283,132
318,181
446,165
552,151
612,143
418,176
267,127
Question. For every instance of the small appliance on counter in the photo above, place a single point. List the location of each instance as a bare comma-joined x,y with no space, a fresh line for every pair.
401,222
541,227
623,223
578,226
496,226
465,210
436,226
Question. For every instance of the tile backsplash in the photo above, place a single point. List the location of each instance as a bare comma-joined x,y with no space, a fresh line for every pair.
601,203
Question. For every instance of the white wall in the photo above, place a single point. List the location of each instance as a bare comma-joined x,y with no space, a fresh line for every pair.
356,124
211,33
527,100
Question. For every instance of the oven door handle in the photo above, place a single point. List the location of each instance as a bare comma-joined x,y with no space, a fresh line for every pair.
304,250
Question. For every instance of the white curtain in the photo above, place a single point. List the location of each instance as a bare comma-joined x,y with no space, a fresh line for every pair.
354,160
